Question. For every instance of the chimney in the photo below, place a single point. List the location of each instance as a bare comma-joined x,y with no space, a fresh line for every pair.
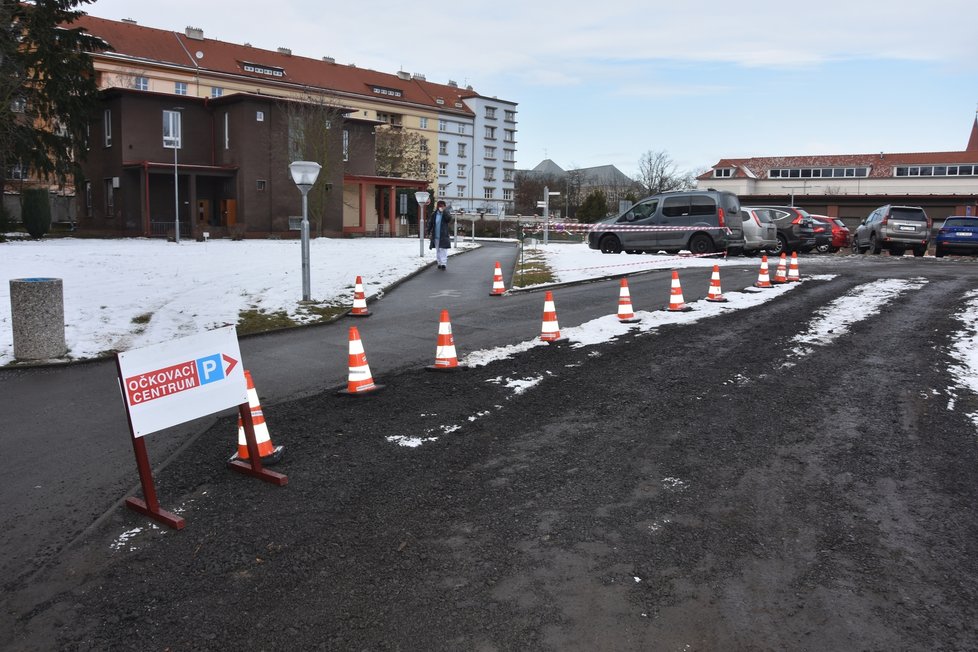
329,59
130,21
286,51
195,33
418,76
453,83
403,74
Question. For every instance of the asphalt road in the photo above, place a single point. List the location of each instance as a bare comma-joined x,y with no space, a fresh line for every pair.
703,487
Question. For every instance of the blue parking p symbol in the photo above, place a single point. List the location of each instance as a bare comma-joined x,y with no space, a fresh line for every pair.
209,369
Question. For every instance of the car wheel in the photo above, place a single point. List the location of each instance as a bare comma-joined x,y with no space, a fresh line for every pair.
823,248
856,249
919,251
610,244
701,244
782,246
874,245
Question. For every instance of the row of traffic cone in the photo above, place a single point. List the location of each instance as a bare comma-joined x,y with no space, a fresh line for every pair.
785,273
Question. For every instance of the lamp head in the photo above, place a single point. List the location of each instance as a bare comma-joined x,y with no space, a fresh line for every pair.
304,174
422,197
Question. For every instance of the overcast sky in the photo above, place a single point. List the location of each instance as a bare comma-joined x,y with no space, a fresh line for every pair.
602,83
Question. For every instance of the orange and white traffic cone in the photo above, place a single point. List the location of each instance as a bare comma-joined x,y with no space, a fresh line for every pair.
676,302
793,274
763,277
445,357
267,452
551,330
781,273
625,314
497,282
714,293
359,301
359,380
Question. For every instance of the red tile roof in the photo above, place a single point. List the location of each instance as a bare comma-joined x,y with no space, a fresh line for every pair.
881,163
131,41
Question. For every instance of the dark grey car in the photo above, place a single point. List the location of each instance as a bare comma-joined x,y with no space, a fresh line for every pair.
795,230
701,221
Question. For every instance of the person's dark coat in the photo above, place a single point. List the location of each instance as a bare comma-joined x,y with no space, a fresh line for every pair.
445,235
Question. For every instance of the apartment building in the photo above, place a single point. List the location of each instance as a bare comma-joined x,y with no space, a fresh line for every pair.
850,186
222,88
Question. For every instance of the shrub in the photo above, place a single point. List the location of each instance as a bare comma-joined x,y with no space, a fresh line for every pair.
37,211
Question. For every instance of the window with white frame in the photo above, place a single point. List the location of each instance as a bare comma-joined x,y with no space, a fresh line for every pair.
443,169
423,146
490,174
722,173
488,192
423,123
490,153
442,125
509,155
141,83
461,191
109,198
107,127
461,170
509,135
461,150
216,91
172,129
180,88
490,133
508,174
461,127
491,112
423,166
227,131
443,148
510,116
508,194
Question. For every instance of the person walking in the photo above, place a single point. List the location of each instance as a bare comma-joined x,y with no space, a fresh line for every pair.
440,234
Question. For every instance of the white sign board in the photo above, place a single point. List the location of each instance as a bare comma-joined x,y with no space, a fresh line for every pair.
170,383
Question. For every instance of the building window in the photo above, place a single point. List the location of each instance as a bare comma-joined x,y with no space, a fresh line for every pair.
461,170
88,198
508,175
461,191
443,169
172,131
260,185
509,155
260,117
491,153
817,173
346,145
936,171
423,146
722,173
443,148
461,128
423,123
461,150
18,105
423,166
16,172
216,91
393,119
107,127
490,174
490,133
510,116
109,199
180,88
442,125
141,84
508,194
441,189
509,135
490,112
488,193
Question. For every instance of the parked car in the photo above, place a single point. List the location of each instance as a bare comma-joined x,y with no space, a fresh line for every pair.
823,235
701,221
760,235
841,238
795,232
894,228
958,235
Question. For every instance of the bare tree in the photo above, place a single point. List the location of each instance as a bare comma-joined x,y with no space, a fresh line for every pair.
401,153
658,173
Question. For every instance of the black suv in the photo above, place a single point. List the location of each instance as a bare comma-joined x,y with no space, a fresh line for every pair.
796,232
701,221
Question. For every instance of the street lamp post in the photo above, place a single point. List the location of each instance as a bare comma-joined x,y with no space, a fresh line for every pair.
422,198
304,174
172,135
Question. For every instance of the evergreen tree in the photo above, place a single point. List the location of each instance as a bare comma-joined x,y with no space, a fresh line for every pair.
47,86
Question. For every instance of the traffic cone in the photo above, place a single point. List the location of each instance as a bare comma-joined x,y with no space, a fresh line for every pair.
267,452
781,273
359,301
551,330
359,381
497,282
763,277
625,314
793,274
445,358
676,303
714,293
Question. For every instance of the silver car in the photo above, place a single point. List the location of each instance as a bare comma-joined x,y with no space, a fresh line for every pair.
895,228
760,232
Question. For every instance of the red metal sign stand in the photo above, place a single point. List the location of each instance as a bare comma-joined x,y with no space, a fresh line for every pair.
253,466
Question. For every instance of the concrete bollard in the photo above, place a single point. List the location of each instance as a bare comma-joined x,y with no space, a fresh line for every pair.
37,313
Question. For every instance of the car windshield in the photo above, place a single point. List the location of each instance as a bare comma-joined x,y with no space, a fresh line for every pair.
912,214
